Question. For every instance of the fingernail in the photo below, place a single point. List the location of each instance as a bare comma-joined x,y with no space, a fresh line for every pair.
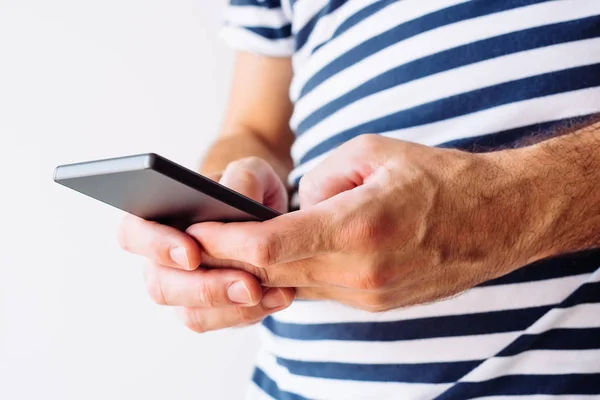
179,256
274,298
238,293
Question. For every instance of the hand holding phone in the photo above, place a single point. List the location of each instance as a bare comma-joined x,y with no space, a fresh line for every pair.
209,299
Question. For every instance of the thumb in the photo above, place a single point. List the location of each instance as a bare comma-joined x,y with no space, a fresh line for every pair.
346,168
255,178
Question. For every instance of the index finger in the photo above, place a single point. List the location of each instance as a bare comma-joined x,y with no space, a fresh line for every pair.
160,243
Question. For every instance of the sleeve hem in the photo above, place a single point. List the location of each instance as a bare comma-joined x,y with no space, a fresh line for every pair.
241,39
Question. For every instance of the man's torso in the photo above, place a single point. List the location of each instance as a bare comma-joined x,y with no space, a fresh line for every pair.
475,75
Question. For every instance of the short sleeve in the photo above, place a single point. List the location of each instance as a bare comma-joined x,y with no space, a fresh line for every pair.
258,26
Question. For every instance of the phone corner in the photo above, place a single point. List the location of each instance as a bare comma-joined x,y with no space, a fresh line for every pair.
56,174
150,160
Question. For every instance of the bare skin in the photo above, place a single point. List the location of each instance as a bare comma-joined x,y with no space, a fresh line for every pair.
383,223
251,156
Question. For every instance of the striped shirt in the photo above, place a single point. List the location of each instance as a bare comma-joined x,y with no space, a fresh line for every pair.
468,74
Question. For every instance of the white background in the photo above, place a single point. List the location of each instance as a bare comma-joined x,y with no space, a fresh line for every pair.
90,79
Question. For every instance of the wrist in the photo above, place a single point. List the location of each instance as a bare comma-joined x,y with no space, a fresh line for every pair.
504,207
554,184
531,184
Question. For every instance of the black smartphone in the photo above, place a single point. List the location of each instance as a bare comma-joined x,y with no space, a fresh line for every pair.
156,189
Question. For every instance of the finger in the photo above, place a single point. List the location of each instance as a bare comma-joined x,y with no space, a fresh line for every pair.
209,319
201,288
346,168
255,178
333,225
160,243
289,237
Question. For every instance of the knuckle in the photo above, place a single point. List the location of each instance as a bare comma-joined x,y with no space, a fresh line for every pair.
157,247
194,321
261,250
373,279
243,180
261,274
247,165
308,189
374,303
248,177
366,142
252,162
160,253
206,294
265,278
154,286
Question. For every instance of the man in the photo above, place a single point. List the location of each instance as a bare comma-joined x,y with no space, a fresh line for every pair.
439,147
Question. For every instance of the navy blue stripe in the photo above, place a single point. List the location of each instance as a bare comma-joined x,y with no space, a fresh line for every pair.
555,339
471,53
409,29
587,293
257,3
355,18
470,102
271,33
443,372
303,34
557,267
420,328
432,327
270,387
573,384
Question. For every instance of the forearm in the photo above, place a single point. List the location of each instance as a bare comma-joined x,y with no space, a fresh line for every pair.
563,176
233,147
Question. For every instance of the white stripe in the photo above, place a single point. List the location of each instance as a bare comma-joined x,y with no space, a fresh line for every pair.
244,40
581,316
256,393
445,84
576,317
509,116
402,11
304,11
324,29
286,6
449,83
482,299
317,388
538,362
435,41
249,16
443,349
